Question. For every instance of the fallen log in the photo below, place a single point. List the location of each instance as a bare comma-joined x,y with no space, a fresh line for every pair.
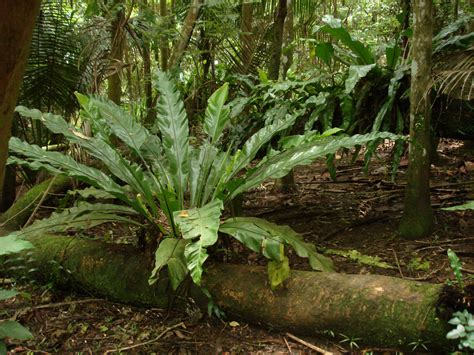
377,310
21,210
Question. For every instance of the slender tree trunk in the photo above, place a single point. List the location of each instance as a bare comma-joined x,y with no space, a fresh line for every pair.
417,219
246,35
455,9
277,40
406,8
17,22
470,25
146,55
117,42
164,48
288,37
186,33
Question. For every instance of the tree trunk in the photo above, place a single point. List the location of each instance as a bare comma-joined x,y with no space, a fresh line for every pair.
277,40
17,21
406,8
146,55
246,35
19,213
417,218
380,311
288,37
117,42
186,33
164,49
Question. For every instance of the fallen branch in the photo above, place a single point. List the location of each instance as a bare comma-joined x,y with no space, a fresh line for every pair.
308,345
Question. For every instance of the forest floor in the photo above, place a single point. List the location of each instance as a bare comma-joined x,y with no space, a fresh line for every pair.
354,218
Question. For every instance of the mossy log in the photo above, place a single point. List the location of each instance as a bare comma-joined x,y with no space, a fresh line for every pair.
16,216
378,310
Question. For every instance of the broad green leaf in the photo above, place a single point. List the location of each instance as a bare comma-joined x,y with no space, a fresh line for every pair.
324,51
201,223
152,152
3,348
334,28
466,206
356,72
280,164
170,253
84,216
201,159
253,231
217,115
90,191
6,294
257,141
96,146
393,54
122,124
56,162
15,330
13,244
221,167
308,137
254,234
172,123
452,28
278,271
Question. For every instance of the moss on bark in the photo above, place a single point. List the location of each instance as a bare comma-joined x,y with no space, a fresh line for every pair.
18,214
380,311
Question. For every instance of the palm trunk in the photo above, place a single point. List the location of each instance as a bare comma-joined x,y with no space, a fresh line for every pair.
186,33
417,218
17,22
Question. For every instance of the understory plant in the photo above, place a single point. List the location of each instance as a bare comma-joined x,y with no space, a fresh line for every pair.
10,328
174,185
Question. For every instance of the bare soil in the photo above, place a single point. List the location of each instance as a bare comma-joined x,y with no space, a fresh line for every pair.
355,215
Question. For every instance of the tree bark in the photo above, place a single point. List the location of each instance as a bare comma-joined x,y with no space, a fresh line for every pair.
164,48
17,22
417,218
186,33
117,42
18,214
288,37
277,40
246,35
381,311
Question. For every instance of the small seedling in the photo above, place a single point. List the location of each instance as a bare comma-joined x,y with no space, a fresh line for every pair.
419,344
351,340
456,266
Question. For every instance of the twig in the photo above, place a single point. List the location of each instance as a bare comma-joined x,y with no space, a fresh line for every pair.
311,346
4,223
62,304
469,271
288,346
398,263
40,202
146,342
